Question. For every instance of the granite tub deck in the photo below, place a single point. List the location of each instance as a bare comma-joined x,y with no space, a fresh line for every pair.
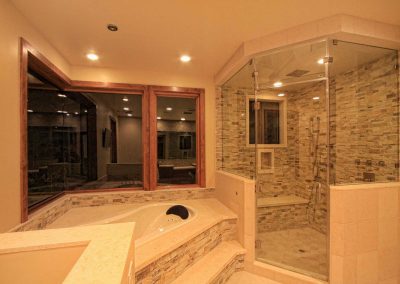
213,223
96,254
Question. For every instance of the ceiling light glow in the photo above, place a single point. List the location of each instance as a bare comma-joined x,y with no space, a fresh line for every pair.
126,108
185,58
278,84
183,119
321,61
129,114
169,108
125,99
281,95
315,98
29,110
158,117
92,56
62,95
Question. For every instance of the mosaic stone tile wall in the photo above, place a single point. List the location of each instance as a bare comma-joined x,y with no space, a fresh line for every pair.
293,171
51,212
364,122
170,266
232,154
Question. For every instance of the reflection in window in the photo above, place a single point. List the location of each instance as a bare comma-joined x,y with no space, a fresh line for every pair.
81,141
268,123
176,140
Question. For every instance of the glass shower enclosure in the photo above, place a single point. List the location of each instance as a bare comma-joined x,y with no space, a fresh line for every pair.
298,120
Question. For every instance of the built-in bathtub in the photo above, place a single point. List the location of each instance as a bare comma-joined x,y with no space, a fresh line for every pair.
151,221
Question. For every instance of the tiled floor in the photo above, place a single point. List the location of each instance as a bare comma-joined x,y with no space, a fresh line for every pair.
243,277
302,250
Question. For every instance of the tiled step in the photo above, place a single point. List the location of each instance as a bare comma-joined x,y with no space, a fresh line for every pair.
218,264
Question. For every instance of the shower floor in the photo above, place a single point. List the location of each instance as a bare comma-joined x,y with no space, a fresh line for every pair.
302,250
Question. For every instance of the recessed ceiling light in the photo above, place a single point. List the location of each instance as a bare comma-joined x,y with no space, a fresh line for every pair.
315,98
129,114
85,110
76,113
321,61
182,118
126,108
29,110
185,58
59,111
281,95
68,114
278,84
125,99
62,95
158,117
92,56
168,108
112,27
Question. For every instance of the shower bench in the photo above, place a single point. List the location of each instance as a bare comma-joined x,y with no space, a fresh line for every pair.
281,213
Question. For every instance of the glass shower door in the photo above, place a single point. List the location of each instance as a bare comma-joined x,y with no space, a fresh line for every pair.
290,134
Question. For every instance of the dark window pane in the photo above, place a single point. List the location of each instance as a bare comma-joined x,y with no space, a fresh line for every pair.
176,140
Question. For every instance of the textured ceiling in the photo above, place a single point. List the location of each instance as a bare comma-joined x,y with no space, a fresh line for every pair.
153,34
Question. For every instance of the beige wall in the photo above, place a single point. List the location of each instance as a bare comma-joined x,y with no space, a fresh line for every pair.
13,26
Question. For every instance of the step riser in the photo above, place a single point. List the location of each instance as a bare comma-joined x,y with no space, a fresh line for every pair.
167,268
237,264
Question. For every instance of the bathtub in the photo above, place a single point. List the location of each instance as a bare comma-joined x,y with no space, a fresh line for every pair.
151,220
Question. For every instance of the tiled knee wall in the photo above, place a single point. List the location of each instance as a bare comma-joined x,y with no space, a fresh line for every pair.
364,235
170,266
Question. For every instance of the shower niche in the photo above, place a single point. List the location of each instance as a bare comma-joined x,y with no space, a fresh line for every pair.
296,120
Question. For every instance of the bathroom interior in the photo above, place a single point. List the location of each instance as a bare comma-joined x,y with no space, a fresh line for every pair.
276,161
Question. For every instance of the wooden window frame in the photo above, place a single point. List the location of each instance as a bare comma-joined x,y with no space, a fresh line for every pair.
31,59
178,92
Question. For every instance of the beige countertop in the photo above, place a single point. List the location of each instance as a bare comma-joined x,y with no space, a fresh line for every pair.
107,257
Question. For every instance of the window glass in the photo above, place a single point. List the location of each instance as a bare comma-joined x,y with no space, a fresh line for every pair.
81,141
176,140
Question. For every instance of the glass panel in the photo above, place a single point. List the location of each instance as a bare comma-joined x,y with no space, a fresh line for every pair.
292,184
364,114
81,141
236,107
268,122
176,140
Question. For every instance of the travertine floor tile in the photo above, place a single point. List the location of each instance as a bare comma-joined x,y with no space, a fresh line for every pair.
242,277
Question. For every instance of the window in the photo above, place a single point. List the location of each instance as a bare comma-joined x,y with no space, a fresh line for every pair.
85,136
271,121
81,140
176,131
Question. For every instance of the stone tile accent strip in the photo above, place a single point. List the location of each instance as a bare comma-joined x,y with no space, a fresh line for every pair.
237,264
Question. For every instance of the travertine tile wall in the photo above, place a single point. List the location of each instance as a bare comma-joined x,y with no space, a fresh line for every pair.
364,108
365,242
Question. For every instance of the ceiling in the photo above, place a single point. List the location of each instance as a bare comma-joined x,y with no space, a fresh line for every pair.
153,34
